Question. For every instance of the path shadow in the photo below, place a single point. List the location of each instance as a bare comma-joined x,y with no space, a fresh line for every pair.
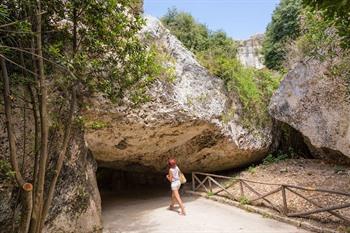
135,205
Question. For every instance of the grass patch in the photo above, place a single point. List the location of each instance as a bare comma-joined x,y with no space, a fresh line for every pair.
243,200
252,169
210,194
275,158
97,124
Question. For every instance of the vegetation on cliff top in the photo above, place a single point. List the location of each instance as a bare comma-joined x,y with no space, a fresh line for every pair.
218,53
283,27
308,29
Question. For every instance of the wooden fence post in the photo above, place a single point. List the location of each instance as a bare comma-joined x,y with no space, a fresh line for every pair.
193,183
210,187
284,197
241,188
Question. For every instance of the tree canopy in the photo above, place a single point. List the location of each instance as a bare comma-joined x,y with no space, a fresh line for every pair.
283,27
61,52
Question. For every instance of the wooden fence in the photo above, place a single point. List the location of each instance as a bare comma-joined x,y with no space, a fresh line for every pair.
210,183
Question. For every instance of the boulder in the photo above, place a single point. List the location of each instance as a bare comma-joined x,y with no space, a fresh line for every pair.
318,106
191,118
77,203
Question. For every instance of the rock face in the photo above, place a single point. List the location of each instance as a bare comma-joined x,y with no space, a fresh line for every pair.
249,51
191,118
318,106
77,202
76,206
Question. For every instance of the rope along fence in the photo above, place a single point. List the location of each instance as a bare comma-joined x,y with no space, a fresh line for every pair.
280,197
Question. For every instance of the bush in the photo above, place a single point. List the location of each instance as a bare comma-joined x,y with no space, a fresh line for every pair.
338,13
98,124
275,158
321,40
196,36
283,28
7,175
244,200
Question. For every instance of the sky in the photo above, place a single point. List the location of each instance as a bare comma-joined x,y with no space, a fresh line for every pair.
240,19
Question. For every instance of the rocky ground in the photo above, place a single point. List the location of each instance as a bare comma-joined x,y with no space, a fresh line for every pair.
306,173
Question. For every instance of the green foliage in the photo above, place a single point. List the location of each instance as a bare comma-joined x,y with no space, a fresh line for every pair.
210,194
336,11
252,169
243,200
97,124
196,36
192,34
321,39
157,62
254,88
7,175
275,158
283,27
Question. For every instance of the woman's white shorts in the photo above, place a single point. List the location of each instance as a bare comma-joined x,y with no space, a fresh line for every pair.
175,185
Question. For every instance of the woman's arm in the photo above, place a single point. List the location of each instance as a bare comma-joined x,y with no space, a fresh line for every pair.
169,176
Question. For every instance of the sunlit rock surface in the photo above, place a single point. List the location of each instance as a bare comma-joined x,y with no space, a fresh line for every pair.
318,106
192,118
249,51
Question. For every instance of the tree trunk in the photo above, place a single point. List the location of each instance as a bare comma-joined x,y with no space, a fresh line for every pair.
39,197
60,159
27,187
33,96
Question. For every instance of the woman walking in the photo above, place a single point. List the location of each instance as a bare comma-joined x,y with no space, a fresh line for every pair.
174,178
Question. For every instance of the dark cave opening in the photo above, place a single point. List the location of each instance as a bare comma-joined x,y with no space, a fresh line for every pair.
113,180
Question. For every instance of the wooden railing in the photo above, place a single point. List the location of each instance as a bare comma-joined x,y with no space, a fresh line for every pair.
210,184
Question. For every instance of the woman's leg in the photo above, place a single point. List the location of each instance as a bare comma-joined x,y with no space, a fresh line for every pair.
172,201
178,199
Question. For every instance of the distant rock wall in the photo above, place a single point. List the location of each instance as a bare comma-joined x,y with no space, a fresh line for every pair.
249,52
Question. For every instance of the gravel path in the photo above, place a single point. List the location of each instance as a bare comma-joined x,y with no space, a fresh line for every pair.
147,212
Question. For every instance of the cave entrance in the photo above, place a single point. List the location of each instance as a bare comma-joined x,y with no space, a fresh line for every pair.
118,181
129,199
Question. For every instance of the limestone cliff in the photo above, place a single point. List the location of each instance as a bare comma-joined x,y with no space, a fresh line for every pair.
249,51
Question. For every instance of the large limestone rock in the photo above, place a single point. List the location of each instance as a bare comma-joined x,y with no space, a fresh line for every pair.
76,207
318,106
249,51
77,203
191,118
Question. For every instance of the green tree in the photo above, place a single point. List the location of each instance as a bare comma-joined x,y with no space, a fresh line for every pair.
283,27
336,11
192,34
62,51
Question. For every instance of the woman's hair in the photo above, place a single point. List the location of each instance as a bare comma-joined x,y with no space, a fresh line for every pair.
172,162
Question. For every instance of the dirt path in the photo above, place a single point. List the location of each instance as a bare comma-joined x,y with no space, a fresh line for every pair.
142,212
